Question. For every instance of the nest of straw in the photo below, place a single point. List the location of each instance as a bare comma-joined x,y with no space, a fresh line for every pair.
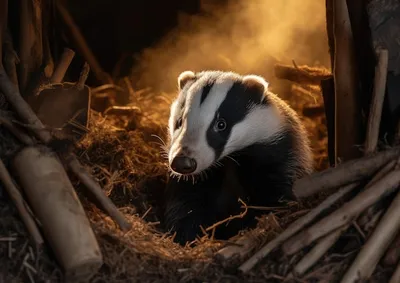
128,162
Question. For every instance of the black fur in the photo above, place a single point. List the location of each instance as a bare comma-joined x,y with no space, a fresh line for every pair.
233,109
261,179
255,181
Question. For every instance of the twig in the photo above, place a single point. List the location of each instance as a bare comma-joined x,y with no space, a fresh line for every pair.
96,190
296,226
345,173
241,215
396,275
62,66
366,261
18,200
301,75
21,136
378,95
22,107
83,76
323,245
345,214
82,45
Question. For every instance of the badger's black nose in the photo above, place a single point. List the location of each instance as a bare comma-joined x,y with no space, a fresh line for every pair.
183,164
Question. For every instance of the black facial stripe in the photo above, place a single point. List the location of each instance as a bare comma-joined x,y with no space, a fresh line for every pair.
206,91
233,109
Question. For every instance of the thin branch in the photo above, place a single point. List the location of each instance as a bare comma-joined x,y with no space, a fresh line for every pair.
344,173
296,226
376,245
345,214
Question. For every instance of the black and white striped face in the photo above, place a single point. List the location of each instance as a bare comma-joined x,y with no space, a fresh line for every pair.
215,114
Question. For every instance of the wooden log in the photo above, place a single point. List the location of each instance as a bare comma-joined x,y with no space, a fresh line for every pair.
348,123
344,173
345,214
59,210
376,245
22,108
19,202
31,41
318,251
393,254
62,66
378,95
294,228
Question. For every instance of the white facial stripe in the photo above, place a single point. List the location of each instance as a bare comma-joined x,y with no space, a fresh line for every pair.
268,122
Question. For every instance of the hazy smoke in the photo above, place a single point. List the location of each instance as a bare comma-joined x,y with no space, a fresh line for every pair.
246,36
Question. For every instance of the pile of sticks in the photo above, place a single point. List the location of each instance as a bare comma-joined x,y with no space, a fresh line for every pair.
361,184
41,190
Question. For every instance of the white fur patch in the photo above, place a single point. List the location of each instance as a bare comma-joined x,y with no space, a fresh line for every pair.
262,124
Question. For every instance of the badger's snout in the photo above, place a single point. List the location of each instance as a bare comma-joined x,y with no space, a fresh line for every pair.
183,164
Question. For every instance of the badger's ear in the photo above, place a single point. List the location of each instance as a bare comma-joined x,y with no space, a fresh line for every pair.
255,83
184,77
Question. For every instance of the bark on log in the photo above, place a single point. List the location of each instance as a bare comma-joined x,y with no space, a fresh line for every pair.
378,95
59,210
348,124
62,66
344,173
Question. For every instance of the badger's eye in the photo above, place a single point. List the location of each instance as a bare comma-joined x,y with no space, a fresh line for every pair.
220,125
178,123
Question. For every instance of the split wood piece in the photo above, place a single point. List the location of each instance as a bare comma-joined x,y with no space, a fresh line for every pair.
82,45
344,173
393,254
19,202
323,245
367,259
396,275
348,119
31,41
26,113
378,95
59,210
301,75
22,108
96,190
345,214
62,66
296,226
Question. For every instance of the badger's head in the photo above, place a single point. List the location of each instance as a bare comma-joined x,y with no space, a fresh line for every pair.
216,114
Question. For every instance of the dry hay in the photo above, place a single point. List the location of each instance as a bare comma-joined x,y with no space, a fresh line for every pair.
126,159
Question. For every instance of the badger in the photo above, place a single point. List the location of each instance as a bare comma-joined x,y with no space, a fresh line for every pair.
229,139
